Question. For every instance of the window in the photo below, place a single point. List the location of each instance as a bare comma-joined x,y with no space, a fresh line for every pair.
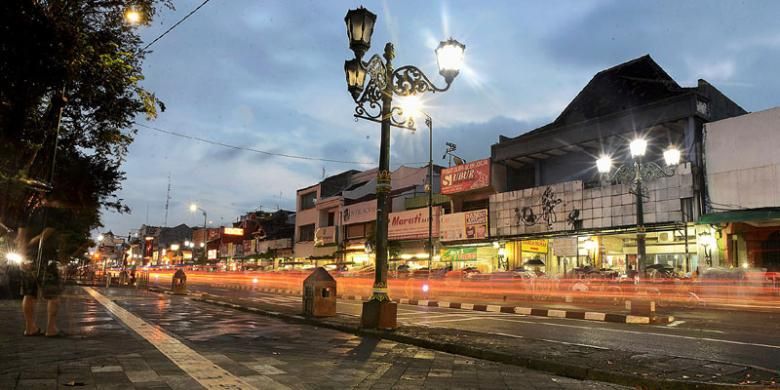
356,231
308,201
331,218
306,233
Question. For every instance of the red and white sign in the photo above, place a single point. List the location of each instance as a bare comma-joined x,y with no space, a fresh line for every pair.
359,212
469,225
412,224
466,177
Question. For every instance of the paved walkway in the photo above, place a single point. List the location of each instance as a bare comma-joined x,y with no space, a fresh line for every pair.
139,340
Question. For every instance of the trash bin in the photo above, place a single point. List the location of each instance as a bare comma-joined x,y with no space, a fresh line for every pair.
179,283
319,294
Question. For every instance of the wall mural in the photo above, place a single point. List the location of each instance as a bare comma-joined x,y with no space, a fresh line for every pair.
549,201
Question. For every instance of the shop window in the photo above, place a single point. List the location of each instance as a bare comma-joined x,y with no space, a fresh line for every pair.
308,201
356,231
306,233
686,206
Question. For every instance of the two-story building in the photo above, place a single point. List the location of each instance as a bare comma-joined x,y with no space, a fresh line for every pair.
560,212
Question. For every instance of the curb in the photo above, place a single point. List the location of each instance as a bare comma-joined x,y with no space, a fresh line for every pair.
541,364
577,315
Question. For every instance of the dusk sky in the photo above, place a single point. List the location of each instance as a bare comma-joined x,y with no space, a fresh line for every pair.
268,75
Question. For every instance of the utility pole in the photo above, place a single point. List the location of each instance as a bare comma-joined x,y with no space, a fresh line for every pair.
167,200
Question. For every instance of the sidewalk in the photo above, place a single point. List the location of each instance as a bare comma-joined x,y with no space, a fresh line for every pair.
576,361
97,353
261,352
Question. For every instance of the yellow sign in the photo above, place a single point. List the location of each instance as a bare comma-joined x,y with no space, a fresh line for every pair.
536,246
234,231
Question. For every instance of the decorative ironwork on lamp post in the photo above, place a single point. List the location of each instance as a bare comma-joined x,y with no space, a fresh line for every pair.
374,102
636,174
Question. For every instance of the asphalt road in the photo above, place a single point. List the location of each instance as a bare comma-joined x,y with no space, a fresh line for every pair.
748,338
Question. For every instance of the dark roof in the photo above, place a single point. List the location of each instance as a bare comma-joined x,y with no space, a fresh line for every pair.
630,84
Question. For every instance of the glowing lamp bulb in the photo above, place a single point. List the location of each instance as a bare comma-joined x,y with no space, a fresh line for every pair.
638,147
604,164
672,156
254,280
425,287
13,258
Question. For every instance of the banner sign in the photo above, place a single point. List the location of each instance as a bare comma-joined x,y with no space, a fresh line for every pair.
459,254
565,246
466,177
359,212
469,225
233,231
412,224
535,246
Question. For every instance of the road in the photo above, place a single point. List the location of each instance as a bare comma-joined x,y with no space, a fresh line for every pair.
133,339
750,338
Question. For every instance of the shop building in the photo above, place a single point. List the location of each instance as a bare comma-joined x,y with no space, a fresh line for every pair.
267,238
558,204
743,191
318,219
464,235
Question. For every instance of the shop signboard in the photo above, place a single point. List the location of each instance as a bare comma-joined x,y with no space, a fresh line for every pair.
359,212
212,255
535,246
234,231
469,225
412,224
325,236
459,254
565,246
466,177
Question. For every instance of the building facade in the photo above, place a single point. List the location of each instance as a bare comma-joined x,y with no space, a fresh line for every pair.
559,204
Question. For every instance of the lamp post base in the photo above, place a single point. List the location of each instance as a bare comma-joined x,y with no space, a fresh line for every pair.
379,315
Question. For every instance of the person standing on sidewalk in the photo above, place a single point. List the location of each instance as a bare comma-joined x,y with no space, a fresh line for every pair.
42,281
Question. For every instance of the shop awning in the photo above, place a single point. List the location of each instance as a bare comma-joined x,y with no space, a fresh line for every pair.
768,216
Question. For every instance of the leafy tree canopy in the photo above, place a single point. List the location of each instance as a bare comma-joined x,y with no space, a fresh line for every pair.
81,61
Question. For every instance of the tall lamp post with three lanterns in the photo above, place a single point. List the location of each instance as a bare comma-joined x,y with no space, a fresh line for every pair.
637,173
374,102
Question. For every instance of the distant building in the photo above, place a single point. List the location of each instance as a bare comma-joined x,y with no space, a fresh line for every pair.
743,190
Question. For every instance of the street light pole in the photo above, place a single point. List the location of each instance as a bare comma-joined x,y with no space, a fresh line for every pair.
384,83
641,250
429,122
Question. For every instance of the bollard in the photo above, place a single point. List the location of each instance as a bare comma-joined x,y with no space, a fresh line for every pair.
179,283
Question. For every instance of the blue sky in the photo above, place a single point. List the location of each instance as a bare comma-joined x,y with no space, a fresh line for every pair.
269,75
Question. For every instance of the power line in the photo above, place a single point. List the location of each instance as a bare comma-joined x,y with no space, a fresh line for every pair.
194,138
175,24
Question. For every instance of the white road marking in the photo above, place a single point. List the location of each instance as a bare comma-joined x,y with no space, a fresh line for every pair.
642,333
450,320
208,374
675,323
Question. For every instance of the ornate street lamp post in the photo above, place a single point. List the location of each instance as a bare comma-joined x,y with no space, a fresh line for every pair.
638,173
193,208
375,103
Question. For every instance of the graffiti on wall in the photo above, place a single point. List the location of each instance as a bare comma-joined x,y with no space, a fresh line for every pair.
549,201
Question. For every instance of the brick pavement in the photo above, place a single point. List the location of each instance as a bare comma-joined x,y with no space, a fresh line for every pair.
267,353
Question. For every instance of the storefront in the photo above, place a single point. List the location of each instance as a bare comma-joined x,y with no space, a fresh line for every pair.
568,226
408,237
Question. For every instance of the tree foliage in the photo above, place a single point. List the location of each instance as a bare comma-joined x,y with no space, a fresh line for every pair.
78,59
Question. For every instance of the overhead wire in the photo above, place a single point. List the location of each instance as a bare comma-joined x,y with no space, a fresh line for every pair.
265,152
175,25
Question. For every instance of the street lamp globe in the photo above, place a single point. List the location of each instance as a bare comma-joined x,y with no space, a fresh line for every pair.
356,77
100,237
672,156
133,16
604,164
638,147
411,105
360,27
193,207
449,56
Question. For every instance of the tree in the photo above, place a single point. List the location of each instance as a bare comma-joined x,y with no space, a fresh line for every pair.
70,73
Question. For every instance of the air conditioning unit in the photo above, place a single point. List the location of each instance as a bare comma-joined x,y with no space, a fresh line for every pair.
665,237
